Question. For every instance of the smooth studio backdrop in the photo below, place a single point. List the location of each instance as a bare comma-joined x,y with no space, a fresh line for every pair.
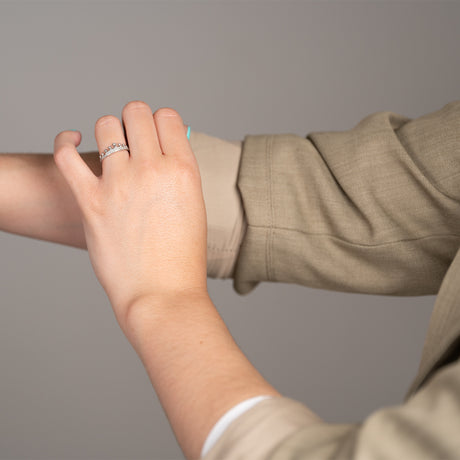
70,384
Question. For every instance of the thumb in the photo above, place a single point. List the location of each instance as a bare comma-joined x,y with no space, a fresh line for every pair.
80,178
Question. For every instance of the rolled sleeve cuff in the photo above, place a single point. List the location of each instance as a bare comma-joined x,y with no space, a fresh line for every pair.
231,415
254,185
259,431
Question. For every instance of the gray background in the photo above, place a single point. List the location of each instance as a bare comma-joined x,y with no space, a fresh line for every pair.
70,385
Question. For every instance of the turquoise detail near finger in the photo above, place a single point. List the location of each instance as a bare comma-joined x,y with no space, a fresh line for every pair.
188,132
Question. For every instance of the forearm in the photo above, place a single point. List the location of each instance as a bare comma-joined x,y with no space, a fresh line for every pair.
195,366
36,201
380,198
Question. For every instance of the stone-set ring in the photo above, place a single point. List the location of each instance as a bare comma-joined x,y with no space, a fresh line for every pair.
112,148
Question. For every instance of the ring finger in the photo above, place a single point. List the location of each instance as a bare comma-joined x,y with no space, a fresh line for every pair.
108,131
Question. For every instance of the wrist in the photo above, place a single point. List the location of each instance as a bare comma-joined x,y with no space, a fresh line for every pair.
195,366
145,313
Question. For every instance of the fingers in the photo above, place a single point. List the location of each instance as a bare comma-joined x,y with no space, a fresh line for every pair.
141,132
172,132
108,131
148,135
80,178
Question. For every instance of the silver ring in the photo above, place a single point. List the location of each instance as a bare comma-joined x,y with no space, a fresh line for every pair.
112,149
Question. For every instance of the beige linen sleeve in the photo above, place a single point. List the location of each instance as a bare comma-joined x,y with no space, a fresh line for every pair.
374,209
427,426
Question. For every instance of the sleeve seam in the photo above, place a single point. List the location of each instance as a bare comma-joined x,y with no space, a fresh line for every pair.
271,228
270,237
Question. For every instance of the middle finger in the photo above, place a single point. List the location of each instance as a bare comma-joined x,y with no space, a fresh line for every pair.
141,131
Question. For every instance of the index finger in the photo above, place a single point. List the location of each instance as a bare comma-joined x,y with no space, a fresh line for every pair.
76,172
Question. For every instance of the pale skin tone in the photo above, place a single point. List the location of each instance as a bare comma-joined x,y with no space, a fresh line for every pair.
36,201
152,262
144,223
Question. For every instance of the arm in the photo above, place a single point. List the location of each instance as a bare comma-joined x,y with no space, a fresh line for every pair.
40,204
381,200
154,269
36,201
195,366
425,427
154,273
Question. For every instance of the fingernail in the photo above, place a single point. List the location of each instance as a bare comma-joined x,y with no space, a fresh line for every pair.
73,129
188,132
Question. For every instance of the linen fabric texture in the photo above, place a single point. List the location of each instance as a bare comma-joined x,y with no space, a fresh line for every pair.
374,209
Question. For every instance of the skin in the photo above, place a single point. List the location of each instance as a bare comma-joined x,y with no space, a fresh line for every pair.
144,222
36,200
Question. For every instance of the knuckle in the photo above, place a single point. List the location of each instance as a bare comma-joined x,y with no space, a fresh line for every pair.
106,120
146,164
166,112
186,169
58,153
134,106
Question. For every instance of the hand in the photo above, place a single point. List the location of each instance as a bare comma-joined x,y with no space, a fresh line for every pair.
144,218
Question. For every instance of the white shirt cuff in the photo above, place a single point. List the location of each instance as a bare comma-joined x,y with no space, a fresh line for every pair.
222,424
